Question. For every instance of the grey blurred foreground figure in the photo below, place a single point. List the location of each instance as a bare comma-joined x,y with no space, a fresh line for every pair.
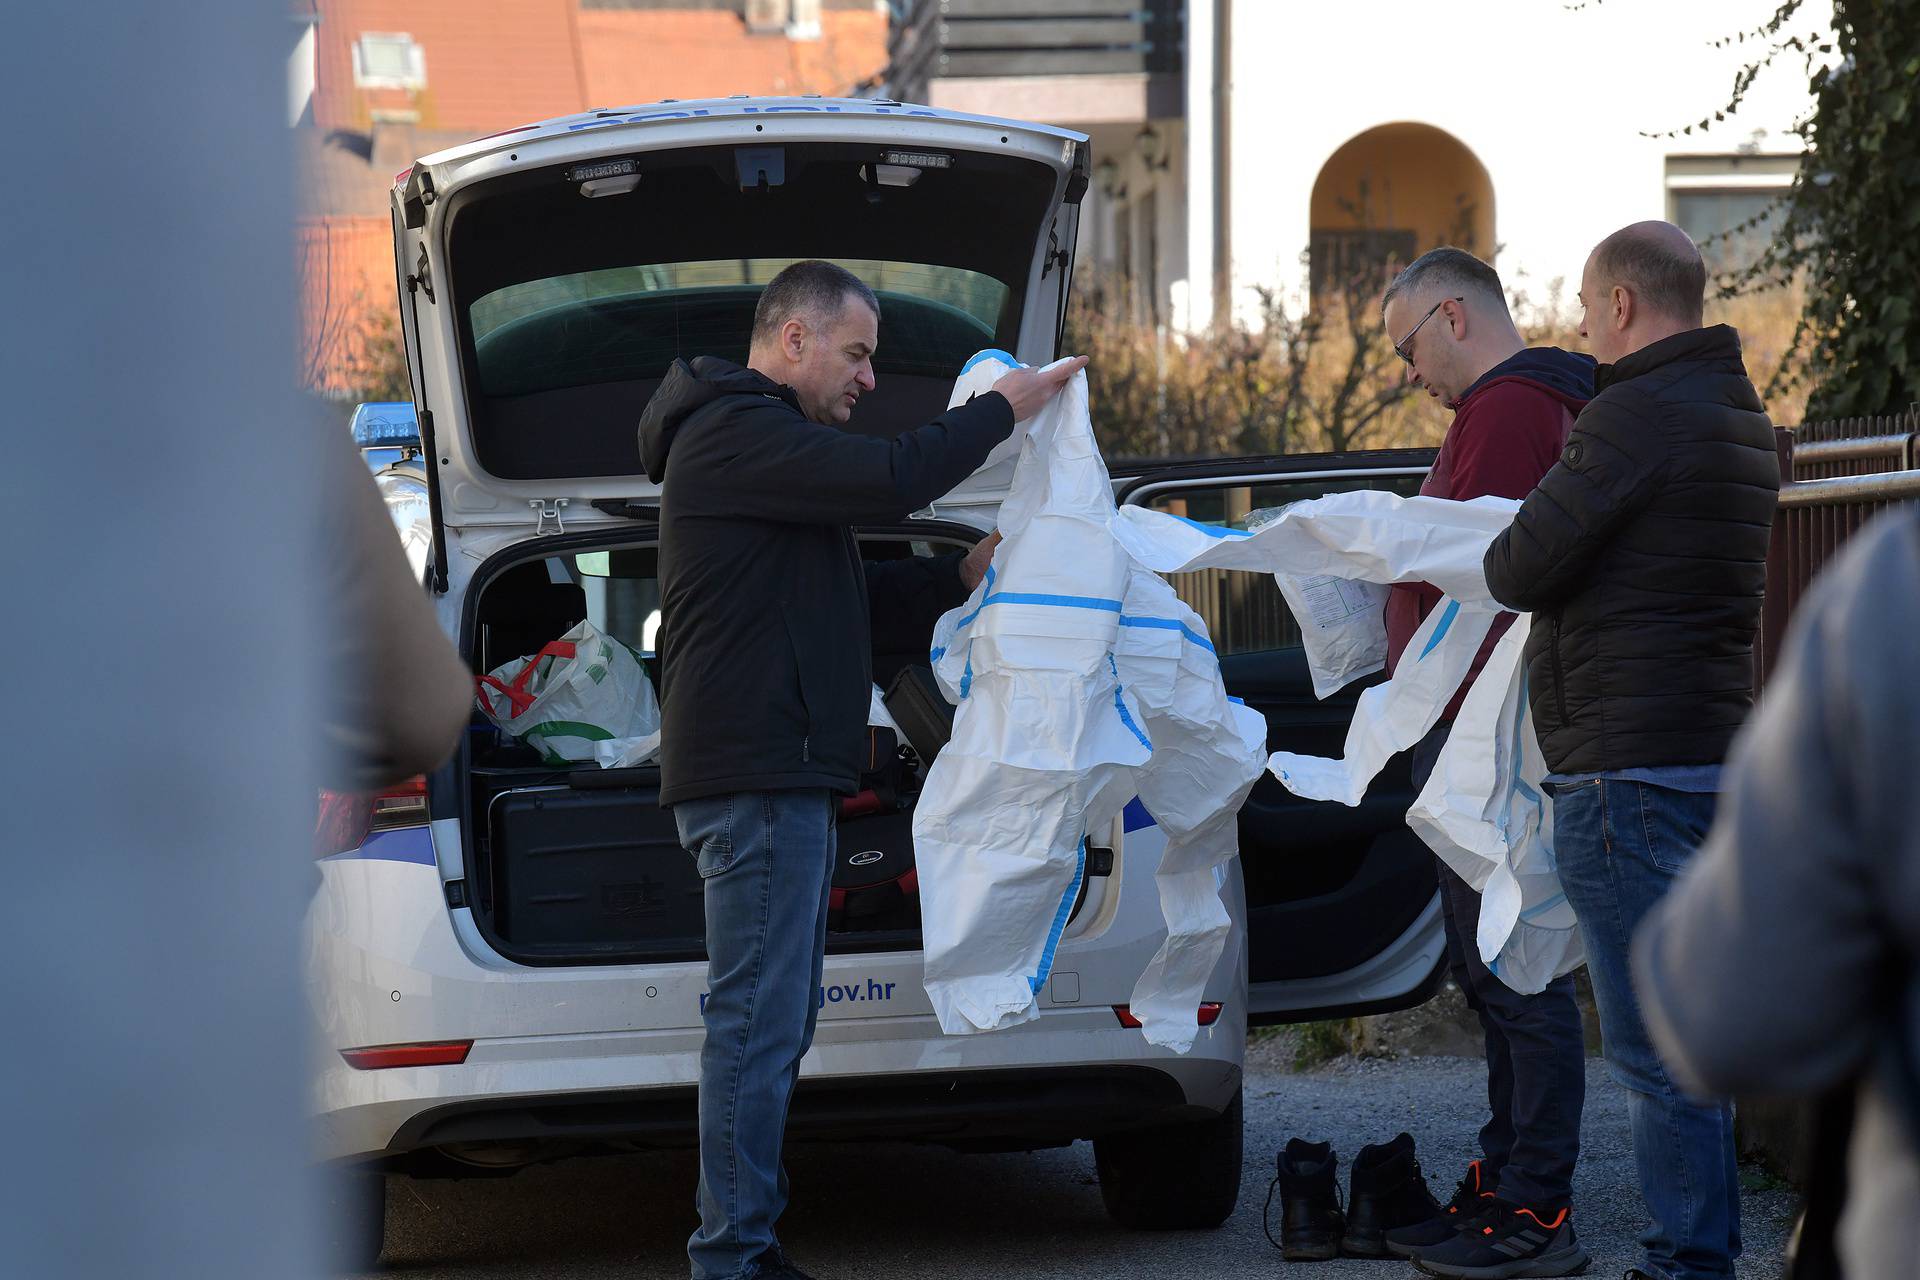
1784,960
394,694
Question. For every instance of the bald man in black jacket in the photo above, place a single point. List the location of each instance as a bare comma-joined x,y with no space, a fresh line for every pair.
1643,557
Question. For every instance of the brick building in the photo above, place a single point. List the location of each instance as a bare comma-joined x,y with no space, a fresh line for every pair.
376,84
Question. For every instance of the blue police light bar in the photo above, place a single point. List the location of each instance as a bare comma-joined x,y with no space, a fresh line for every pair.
385,424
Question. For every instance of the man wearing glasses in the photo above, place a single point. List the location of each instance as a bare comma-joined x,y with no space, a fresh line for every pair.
1512,408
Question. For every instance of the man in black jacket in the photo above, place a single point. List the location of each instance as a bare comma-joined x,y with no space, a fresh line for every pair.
1642,557
765,657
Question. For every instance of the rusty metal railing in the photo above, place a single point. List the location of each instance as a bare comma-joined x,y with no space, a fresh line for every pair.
1817,515
1831,429
1869,455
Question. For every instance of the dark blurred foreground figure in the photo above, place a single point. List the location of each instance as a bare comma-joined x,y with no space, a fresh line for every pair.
1643,558
1785,960
394,694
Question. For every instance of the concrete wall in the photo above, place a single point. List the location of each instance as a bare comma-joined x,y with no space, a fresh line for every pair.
1551,102
1102,241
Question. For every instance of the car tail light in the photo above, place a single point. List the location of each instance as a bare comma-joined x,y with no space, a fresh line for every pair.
1209,1014
439,1053
346,818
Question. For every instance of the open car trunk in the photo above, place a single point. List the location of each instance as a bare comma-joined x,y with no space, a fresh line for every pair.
580,864
548,277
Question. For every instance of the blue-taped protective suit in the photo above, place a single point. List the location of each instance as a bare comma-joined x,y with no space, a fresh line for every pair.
1081,681
1484,810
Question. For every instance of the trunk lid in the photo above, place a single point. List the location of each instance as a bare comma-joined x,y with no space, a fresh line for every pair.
548,276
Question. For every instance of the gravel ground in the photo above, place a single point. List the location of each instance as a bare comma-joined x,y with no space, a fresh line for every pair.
864,1212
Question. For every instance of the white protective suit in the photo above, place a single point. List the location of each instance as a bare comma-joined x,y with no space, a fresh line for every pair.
1484,811
1081,681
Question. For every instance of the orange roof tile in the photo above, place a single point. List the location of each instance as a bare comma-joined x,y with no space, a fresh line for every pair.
490,64
497,64
644,55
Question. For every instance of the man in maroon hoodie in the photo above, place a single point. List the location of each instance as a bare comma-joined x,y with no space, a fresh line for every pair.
1512,408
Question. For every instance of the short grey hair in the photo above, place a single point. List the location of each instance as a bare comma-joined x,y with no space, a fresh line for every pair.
1655,269
1451,272
813,291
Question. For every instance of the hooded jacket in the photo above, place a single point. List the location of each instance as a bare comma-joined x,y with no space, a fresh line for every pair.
1507,431
765,648
1643,558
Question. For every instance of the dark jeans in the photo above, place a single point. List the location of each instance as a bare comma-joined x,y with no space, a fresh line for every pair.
1619,846
767,860
1536,1053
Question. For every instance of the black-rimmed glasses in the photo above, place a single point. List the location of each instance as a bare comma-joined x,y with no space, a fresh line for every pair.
1404,347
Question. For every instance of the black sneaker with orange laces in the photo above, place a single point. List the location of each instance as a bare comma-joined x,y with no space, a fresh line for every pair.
1507,1241
1472,1195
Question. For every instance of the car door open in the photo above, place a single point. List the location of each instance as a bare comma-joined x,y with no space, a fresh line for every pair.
1342,904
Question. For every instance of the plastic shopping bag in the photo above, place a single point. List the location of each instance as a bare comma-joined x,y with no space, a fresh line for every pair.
584,697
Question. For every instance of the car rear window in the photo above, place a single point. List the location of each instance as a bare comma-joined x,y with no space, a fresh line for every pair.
627,322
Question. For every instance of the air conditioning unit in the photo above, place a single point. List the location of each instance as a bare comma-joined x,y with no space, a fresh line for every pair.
768,17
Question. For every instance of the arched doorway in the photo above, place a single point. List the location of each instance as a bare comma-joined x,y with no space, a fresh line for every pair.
1390,194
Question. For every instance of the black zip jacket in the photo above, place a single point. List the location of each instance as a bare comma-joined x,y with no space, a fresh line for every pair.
1643,557
765,631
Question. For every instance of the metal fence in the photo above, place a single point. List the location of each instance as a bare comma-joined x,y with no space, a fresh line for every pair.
1835,478
1891,424
1244,612
1868,456
1857,446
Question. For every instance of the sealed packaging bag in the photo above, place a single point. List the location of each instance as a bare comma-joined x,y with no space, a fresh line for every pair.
584,698
1343,625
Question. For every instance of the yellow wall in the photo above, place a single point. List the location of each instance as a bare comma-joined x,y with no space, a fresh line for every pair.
1411,176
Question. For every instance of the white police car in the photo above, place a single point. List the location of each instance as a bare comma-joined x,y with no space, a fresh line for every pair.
506,958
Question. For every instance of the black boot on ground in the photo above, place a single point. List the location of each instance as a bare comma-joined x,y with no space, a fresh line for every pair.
1385,1194
1311,1223
1473,1195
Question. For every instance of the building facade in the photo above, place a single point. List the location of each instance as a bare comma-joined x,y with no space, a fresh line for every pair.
1307,141
375,84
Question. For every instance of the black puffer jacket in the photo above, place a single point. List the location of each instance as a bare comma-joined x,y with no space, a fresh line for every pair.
764,607
1643,558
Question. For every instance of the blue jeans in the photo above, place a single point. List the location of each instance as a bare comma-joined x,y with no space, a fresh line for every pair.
1536,1050
767,862
1619,845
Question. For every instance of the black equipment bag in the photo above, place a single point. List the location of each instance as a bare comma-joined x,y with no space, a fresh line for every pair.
596,868
923,713
875,885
